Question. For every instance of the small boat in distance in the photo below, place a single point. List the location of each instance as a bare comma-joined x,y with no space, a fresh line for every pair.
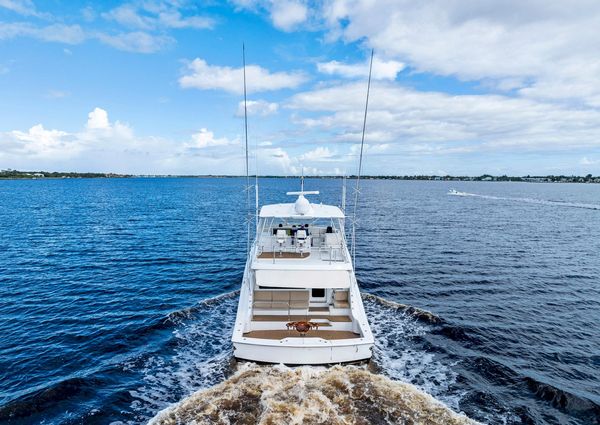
300,302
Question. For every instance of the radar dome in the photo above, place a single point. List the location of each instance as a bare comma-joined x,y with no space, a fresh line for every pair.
302,206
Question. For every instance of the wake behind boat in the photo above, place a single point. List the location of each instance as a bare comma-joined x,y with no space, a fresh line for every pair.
300,302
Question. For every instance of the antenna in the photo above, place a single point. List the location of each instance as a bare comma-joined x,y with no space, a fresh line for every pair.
362,145
247,168
302,191
344,193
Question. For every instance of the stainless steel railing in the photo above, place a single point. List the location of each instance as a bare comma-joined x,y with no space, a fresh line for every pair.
329,253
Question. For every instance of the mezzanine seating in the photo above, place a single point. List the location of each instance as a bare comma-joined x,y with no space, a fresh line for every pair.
280,300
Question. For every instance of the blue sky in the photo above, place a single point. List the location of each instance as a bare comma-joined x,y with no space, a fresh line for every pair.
154,86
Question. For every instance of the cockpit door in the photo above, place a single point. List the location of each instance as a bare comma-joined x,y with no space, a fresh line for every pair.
318,295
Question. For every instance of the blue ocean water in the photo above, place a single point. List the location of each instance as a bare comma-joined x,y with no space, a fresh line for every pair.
117,296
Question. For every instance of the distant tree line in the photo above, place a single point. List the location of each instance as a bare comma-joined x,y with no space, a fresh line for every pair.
15,174
488,177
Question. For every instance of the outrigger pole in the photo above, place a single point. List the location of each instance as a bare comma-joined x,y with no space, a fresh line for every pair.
362,144
248,186
247,167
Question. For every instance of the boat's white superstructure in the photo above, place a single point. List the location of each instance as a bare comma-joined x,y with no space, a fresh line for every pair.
299,300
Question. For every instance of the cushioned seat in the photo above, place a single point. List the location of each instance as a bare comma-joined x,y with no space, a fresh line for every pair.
281,237
331,239
281,300
299,299
262,299
340,299
302,240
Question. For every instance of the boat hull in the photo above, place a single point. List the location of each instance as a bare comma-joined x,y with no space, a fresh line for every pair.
310,353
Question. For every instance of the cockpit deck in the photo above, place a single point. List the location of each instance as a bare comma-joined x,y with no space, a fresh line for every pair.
275,313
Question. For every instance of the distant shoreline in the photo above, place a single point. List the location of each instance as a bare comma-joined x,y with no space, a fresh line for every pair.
34,175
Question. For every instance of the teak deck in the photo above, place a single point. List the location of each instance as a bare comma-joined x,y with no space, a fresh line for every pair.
281,334
315,309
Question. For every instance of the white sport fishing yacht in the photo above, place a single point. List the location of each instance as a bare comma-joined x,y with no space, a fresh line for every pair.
299,301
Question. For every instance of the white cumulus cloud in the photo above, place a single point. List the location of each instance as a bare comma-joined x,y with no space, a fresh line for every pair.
22,7
60,33
206,139
288,14
285,15
136,41
106,146
382,70
257,107
278,160
547,48
436,122
98,119
144,25
319,154
153,15
201,75
40,142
